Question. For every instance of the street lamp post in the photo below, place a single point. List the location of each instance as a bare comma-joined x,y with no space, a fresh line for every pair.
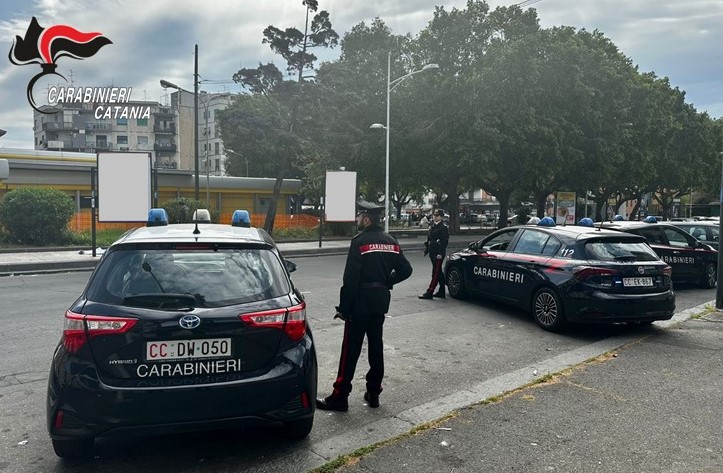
240,156
165,84
391,84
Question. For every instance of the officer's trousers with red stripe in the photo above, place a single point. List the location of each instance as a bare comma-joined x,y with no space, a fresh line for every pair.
437,274
354,332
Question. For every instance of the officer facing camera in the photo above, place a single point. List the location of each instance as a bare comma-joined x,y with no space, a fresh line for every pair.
375,263
436,248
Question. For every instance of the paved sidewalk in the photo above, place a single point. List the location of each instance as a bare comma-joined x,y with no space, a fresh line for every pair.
28,262
653,405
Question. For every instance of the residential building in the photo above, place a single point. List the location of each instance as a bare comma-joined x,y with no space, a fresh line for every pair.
210,145
76,128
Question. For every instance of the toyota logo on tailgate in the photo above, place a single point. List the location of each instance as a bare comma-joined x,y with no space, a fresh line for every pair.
189,321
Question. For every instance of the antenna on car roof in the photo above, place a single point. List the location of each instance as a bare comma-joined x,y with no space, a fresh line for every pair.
196,231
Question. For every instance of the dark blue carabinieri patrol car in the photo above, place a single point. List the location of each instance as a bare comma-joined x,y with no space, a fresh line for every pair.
692,260
183,327
566,274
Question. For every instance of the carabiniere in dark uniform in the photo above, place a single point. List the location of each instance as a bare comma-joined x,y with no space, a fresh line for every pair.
375,263
436,247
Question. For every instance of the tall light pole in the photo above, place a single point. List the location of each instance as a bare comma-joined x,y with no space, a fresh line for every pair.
240,156
391,85
165,84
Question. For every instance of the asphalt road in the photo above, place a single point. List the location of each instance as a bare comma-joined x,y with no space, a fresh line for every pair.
433,349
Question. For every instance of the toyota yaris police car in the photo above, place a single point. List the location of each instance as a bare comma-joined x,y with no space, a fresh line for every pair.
566,274
183,327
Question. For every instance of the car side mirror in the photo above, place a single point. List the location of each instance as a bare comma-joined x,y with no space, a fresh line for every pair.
472,246
290,266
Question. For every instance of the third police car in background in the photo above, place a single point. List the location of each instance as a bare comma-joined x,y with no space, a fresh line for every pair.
692,261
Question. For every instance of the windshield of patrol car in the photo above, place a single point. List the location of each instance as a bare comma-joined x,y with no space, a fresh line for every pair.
610,250
168,278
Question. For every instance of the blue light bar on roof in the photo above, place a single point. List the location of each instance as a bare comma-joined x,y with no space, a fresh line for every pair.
546,222
157,218
241,218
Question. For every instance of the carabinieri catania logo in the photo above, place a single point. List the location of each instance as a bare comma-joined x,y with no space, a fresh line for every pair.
45,46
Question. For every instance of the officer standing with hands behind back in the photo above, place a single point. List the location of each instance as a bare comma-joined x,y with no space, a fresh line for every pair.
436,248
375,263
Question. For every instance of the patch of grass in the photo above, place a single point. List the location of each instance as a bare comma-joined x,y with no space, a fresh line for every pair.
285,234
354,457
103,238
707,310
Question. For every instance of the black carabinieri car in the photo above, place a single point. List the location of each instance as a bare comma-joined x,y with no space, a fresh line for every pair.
692,261
183,327
566,274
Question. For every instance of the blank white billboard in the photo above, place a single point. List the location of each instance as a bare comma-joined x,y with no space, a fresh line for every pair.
340,196
124,187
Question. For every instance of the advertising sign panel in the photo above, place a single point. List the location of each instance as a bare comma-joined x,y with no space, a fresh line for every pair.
340,196
565,208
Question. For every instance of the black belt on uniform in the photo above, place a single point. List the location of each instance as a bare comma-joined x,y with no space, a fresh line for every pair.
367,285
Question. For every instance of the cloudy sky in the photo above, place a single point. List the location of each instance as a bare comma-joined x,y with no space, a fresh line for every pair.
153,40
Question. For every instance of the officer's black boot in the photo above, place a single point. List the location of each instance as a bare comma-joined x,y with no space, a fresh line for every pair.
426,295
440,293
333,403
371,399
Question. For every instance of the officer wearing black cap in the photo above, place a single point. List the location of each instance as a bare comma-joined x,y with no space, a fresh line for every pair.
375,263
436,248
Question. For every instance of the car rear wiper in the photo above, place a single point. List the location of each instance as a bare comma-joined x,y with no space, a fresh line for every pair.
166,300
626,258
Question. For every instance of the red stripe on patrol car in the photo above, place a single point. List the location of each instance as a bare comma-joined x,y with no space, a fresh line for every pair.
379,248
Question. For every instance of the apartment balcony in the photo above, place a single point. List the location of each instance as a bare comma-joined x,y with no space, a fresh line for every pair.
102,146
164,147
58,126
167,164
169,129
164,112
98,126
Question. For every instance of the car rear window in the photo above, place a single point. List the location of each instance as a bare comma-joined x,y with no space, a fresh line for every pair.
615,250
209,278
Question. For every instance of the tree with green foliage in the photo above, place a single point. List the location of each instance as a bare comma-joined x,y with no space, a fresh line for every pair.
36,215
268,125
181,210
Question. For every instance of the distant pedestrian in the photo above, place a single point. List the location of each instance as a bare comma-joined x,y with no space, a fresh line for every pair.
424,222
375,263
436,248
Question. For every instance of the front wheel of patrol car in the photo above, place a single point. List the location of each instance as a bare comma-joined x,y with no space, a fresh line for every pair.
74,449
547,310
707,281
455,283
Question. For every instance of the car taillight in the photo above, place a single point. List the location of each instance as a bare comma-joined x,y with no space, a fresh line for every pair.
668,271
291,320
583,273
79,328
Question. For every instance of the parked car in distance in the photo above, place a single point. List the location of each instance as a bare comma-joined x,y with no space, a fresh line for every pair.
692,261
703,230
